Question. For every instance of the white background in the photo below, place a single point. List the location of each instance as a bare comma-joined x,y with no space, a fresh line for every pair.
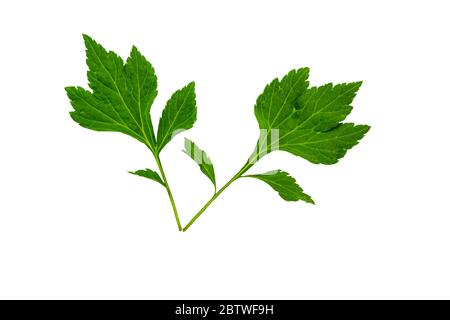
75,224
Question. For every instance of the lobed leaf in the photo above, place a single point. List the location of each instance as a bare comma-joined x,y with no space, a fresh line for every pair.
284,184
322,147
95,113
202,159
276,102
323,108
307,122
121,95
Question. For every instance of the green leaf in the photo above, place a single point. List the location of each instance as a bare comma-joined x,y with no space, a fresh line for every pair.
323,147
142,86
323,108
179,114
95,113
276,103
307,122
121,94
284,184
150,174
202,159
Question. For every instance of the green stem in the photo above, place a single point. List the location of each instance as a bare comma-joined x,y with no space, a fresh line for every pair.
247,166
172,202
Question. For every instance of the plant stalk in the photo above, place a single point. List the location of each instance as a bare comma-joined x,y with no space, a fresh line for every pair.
169,192
247,166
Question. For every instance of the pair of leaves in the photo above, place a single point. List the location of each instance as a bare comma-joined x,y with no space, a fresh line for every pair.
280,181
196,154
292,117
122,96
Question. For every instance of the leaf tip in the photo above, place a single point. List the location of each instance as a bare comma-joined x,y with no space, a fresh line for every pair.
187,141
364,128
357,85
68,89
304,70
87,38
135,51
191,85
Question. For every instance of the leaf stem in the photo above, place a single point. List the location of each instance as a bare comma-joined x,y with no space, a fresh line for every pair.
169,192
239,174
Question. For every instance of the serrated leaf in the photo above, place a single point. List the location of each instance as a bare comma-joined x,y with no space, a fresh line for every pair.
179,114
201,158
121,94
149,174
307,122
284,184
276,103
142,86
323,147
323,108
95,113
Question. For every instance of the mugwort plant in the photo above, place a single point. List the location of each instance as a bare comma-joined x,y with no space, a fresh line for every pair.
292,116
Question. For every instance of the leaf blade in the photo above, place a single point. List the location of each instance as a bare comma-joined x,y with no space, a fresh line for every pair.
179,114
93,113
323,147
310,125
323,108
142,86
284,184
201,158
123,92
107,79
277,100
149,174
